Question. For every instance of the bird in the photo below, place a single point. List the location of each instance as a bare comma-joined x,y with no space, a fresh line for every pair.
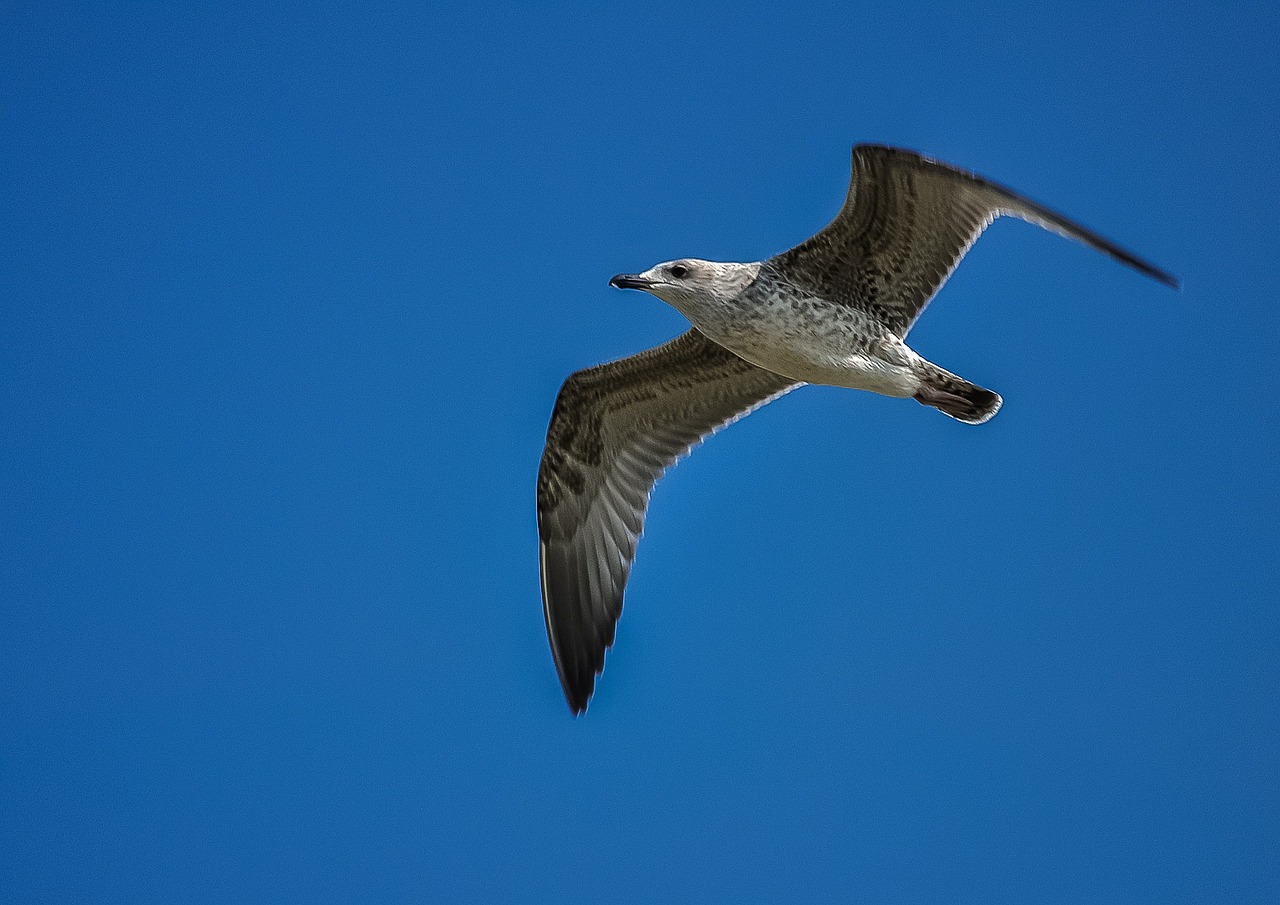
834,310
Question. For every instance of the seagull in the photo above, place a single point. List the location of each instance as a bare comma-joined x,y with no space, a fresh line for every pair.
834,310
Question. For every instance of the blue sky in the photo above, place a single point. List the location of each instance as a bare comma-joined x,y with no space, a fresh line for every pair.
287,296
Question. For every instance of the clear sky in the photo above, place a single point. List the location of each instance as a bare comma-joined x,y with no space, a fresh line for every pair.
286,295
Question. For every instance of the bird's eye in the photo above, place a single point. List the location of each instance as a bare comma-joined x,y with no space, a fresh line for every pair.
679,271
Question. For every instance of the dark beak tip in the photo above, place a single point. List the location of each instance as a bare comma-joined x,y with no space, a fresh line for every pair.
627,281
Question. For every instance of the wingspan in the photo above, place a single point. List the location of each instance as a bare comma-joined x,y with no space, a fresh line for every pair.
615,429
906,223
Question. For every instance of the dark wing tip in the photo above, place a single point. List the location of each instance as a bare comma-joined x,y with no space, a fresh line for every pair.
1079,232
1111,249
570,648
1144,267
1165,277
1126,257
578,681
576,672
578,699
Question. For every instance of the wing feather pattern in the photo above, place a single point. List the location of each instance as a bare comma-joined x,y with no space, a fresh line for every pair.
905,224
614,430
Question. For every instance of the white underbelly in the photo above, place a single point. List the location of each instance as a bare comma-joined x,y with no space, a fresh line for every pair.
831,352
857,371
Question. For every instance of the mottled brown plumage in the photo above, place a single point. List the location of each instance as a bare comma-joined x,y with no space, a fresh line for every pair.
614,430
905,224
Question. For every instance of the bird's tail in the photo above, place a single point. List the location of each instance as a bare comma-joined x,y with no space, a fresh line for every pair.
957,397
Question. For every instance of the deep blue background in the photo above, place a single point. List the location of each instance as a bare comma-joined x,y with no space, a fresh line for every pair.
286,295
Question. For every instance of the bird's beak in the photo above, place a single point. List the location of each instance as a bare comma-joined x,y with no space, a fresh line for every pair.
630,281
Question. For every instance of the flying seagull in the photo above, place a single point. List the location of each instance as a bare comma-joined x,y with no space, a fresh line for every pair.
834,310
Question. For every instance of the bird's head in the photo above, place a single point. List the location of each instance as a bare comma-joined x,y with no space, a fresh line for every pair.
690,285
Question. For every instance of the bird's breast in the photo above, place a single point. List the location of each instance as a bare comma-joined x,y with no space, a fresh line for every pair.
790,326
808,338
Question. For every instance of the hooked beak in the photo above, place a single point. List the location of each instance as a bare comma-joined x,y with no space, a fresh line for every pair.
630,281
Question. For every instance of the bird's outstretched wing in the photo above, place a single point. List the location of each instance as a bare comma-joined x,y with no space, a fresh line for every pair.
614,430
906,223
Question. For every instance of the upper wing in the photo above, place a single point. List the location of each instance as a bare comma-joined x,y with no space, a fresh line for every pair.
906,223
614,430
